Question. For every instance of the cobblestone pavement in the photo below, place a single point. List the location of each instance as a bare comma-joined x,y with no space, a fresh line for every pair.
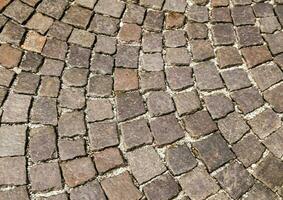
141,99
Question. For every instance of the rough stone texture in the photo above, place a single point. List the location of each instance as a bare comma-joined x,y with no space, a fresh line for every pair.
26,83
77,16
11,56
125,79
201,50
12,33
228,57
82,37
34,42
249,36
102,64
256,55
72,98
103,24
274,142
187,102
16,193
71,124
274,42
99,110
236,79
108,7
69,149
100,85
90,190
13,171
274,97
260,191
159,103
179,77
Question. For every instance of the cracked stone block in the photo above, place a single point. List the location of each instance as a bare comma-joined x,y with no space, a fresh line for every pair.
154,20
199,124
26,83
6,77
72,98
13,171
31,62
221,14
223,34
155,4
174,20
15,193
274,97
264,123
121,187
104,24
45,176
99,110
16,108
78,56
175,38
12,33
54,48
235,179
178,56
159,103
49,86
18,11
175,5
125,79
145,164
52,8
163,187
214,151
129,105
180,159
269,24
134,14
197,13
198,184
105,44
127,56
69,149
52,67
269,171
248,36
201,50
135,133
233,127
196,30
102,64
151,42
34,42
207,76
10,57
71,124
75,77
152,81
274,42
236,79
260,191
78,171
187,102
13,140
228,57
100,85
256,55
112,8
107,159
243,15
90,190
247,99
42,143
248,150
77,16
166,129
40,23
103,134
152,62
274,142
60,30
179,77
44,111
82,37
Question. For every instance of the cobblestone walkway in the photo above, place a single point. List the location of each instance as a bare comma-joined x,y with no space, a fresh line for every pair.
141,99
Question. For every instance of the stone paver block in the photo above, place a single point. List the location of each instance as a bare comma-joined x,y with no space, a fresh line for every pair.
90,190
79,57
75,77
52,8
18,11
12,33
274,42
248,36
49,86
13,171
100,85
31,62
221,14
151,42
54,48
109,7
130,33
98,110
39,23
10,57
69,149
6,76
127,56
105,44
152,62
274,143
175,38
153,20
260,191
134,14
125,79
102,64
104,24
228,57
179,77
77,16
51,67
274,97
197,13
34,42
82,37
269,24
26,83
175,6
223,34
178,56
196,30
201,50
187,102
71,124
159,103
72,98
60,30
236,79
243,15
256,55
16,193
152,81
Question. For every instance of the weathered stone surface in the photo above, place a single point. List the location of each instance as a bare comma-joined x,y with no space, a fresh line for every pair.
274,142
175,38
72,98
69,149
269,24
6,77
49,86
13,171
243,15
18,11
31,61
34,42
179,77
102,64
197,13
223,34
175,6
187,102
75,77
127,56
71,124
134,14
154,20
130,33
10,57
60,30
178,56
109,7
174,20
77,16
54,48
125,79
26,83
12,33
52,67
105,25
228,57
152,81
274,42
98,110
274,97
159,103
221,14
151,42
236,79
260,191
90,190
201,50
256,55
249,36
105,44
52,8
78,56
40,23
196,30
82,37
100,85
16,193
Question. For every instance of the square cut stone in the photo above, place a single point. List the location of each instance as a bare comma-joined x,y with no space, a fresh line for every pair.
49,86
45,176
78,56
264,123
151,42
102,64
103,134
127,56
166,129
75,77
134,14
13,171
100,85
247,99
112,8
152,81
159,103
145,164
178,56
207,76
82,37
196,30
163,187
70,149
266,75
86,3
107,159
201,50
223,34
16,108
235,179
99,110
31,62
274,97
236,79
13,140
274,42
16,193
256,55
54,48
214,151
233,127
52,67
71,124
42,143
248,36
129,105
199,124
10,56
152,62
78,171
60,30
219,196
104,25
228,57
269,24
180,159
258,191
105,44
179,77
40,23
198,13
248,150
135,133
120,187
72,98
12,33
243,15
154,4
18,11
77,16
62,196
153,20
263,9
187,102
52,8
174,20
26,83
90,190
198,184
221,14
175,38
175,6
274,142
6,77
130,33
34,42
125,79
